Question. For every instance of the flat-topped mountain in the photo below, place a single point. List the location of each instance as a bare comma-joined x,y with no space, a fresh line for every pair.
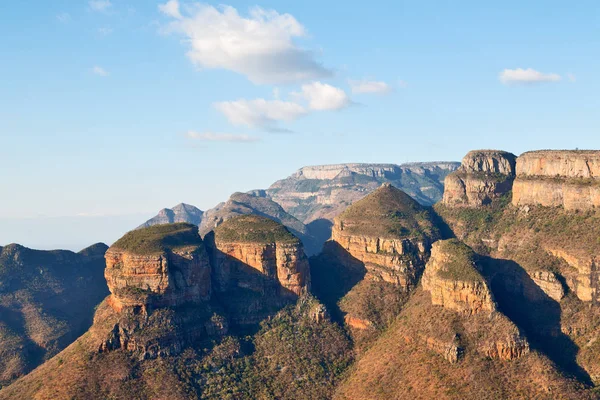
323,192
47,300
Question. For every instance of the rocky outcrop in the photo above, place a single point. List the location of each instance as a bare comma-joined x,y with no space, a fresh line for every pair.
159,266
483,176
549,283
453,279
390,233
259,254
180,213
560,178
583,278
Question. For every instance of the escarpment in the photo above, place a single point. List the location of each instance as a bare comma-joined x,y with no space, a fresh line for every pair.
454,281
390,233
483,176
559,178
159,266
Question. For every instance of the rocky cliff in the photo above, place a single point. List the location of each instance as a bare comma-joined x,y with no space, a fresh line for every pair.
560,178
390,233
259,254
483,176
454,281
159,266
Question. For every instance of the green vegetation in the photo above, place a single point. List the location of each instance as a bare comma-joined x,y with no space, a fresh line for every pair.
159,238
461,263
390,213
253,229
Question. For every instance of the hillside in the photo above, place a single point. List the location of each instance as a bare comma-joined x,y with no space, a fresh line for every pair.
47,300
180,213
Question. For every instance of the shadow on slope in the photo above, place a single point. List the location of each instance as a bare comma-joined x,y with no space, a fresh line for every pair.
538,315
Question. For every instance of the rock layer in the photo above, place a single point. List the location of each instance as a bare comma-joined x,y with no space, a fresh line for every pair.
483,176
569,179
269,258
390,233
453,280
165,276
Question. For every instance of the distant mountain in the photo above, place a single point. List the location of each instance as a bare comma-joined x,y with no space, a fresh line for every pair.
180,213
324,191
47,300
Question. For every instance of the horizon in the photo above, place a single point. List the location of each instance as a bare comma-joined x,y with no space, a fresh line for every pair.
115,109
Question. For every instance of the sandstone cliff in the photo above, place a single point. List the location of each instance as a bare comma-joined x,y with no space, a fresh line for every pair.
454,281
568,179
483,176
390,233
159,266
259,254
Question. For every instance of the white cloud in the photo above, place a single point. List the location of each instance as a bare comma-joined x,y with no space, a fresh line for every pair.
221,137
260,113
366,86
525,76
171,8
99,71
321,96
63,17
260,46
99,5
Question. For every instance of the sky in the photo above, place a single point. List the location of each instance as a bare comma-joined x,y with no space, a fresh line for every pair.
113,109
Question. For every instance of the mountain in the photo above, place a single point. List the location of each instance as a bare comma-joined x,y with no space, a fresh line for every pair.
180,213
324,191
47,300
182,321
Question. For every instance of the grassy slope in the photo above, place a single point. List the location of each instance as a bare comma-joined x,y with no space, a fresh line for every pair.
159,238
255,229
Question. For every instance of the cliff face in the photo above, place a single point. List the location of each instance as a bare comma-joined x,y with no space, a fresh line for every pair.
160,266
453,280
258,267
180,213
568,179
390,233
484,175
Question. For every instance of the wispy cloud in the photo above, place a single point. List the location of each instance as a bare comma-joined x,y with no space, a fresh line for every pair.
366,86
105,31
221,137
260,113
571,77
526,76
63,17
97,70
99,5
259,46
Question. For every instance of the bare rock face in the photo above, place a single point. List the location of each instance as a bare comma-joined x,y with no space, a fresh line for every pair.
259,254
561,178
583,279
390,233
159,266
549,283
483,176
452,278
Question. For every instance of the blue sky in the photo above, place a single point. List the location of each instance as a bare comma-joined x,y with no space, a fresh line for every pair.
111,110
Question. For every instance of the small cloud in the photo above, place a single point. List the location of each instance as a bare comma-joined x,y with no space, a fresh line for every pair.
572,78
366,86
63,17
260,113
321,97
171,8
221,137
99,5
261,45
526,76
105,31
96,70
